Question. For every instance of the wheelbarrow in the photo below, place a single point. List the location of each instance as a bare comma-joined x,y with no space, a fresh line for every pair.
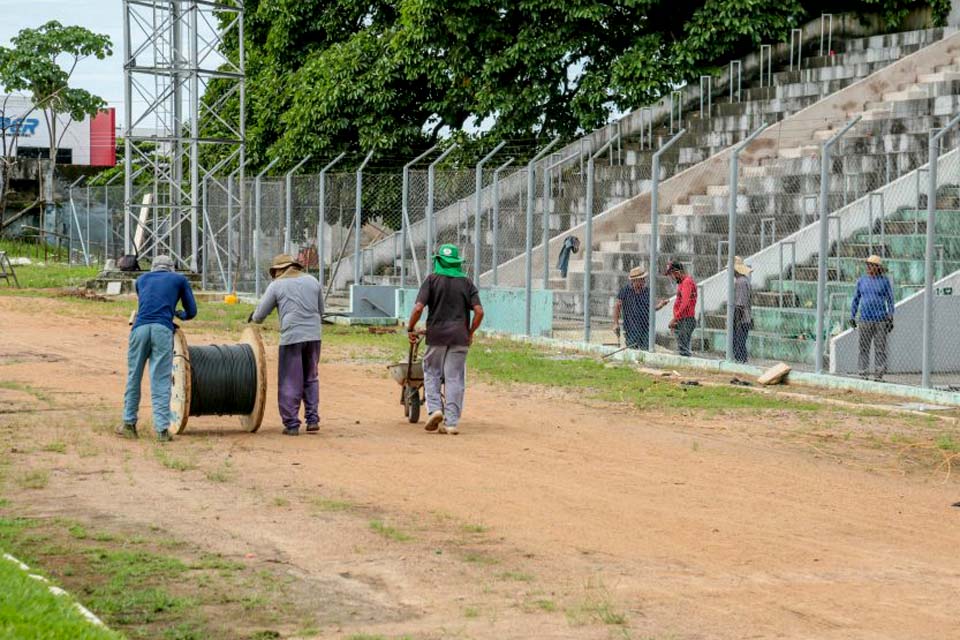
409,375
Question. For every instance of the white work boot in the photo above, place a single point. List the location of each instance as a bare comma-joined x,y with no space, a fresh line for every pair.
434,420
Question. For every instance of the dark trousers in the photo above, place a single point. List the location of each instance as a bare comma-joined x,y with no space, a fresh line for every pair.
740,333
684,330
874,333
637,340
299,383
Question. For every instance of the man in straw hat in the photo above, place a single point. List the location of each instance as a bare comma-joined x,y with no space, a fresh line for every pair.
298,298
633,305
450,296
151,338
873,297
742,309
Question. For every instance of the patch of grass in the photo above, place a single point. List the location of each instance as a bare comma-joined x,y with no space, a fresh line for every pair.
25,388
36,479
53,275
223,473
389,532
55,447
480,558
170,462
28,606
471,612
280,502
515,576
330,505
508,362
946,442
473,528
544,605
596,607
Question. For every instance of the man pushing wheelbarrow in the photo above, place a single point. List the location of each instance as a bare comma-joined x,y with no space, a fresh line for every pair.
449,296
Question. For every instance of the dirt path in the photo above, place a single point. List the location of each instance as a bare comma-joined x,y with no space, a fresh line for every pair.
546,518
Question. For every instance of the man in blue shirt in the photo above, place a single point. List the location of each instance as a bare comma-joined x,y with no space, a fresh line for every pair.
874,299
151,338
633,304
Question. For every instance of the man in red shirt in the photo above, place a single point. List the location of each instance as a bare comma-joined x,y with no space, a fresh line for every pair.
684,307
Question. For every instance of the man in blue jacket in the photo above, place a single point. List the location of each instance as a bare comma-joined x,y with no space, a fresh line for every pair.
151,338
874,299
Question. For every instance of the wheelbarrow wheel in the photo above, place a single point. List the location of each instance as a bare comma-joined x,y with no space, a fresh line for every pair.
412,405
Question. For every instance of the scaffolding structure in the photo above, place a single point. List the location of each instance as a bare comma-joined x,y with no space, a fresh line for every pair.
173,53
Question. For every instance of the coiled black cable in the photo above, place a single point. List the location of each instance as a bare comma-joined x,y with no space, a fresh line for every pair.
223,380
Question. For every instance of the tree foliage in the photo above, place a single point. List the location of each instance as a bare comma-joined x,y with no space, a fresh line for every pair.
394,75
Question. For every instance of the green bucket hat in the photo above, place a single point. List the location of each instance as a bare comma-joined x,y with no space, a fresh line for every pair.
447,261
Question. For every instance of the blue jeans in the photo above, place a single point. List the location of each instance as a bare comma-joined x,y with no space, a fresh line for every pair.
151,342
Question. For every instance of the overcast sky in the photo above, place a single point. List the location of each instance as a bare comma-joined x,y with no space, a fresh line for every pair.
102,77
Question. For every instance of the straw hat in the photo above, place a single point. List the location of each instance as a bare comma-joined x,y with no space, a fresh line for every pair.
875,260
637,273
739,266
281,262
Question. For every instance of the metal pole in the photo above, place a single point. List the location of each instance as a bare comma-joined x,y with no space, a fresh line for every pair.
257,206
655,238
732,233
407,238
476,213
496,218
231,281
76,221
825,238
531,202
127,130
431,181
204,241
194,135
321,214
588,237
358,214
933,153
288,204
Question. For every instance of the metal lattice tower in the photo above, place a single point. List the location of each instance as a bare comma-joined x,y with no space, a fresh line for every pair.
173,52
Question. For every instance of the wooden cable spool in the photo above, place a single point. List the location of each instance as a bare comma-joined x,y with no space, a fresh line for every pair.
184,381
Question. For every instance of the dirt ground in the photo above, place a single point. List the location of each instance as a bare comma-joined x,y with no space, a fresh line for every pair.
548,517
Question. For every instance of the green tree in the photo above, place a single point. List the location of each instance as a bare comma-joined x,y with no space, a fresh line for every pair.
396,75
40,63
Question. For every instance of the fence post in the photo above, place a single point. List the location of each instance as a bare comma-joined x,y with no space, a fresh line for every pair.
406,237
288,204
357,216
431,183
495,223
257,210
933,154
205,241
321,214
76,221
655,237
531,202
732,234
588,236
825,239
476,215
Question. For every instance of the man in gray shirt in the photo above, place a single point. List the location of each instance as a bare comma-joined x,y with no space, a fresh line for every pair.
298,298
742,309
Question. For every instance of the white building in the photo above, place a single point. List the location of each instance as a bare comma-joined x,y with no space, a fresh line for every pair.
91,141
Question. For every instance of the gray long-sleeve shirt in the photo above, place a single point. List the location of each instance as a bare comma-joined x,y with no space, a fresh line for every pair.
741,301
299,301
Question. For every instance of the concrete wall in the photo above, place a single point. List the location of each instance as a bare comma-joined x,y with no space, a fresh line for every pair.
904,353
372,301
504,310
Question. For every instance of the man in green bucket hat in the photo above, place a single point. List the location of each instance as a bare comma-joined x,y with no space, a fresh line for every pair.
450,296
